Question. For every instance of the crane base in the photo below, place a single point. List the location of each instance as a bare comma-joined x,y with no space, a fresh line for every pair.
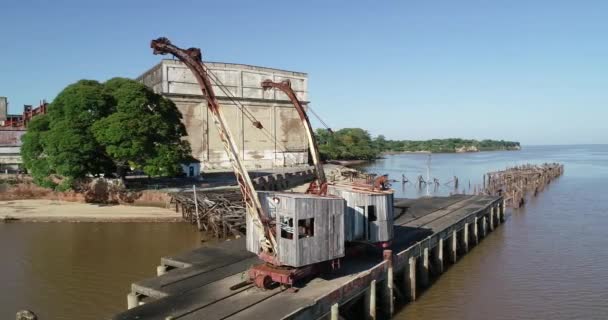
265,275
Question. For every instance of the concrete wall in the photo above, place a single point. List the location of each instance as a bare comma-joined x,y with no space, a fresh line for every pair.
282,141
3,108
10,145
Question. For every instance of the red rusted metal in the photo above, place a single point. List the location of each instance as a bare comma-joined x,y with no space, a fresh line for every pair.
382,183
21,121
263,275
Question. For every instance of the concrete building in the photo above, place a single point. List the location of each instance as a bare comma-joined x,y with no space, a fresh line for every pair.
281,143
10,146
3,109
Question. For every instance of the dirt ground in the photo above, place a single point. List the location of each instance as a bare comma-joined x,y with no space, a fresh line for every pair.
56,211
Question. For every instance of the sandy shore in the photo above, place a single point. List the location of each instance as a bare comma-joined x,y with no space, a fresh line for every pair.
56,211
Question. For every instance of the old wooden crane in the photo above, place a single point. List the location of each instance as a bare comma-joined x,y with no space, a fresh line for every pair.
293,233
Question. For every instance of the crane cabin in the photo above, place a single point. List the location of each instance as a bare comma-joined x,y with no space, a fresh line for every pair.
308,228
369,213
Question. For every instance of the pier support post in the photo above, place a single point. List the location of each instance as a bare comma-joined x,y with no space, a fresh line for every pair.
160,270
498,214
410,279
492,218
439,256
454,247
389,304
335,311
132,300
476,231
465,238
370,301
424,268
484,227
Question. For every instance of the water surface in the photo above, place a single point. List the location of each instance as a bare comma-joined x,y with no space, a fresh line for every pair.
548,261
81,270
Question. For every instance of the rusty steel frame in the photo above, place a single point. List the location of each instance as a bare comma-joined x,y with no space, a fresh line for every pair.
192,58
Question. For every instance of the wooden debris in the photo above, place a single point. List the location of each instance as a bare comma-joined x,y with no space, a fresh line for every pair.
221,212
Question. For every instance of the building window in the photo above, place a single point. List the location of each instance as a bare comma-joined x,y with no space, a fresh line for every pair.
371,213
306,228
286,227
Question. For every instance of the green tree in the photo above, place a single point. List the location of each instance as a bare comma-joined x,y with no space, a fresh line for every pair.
144,132
346,144
93,129
32,151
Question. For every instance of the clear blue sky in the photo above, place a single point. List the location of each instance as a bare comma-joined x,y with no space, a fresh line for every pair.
532,71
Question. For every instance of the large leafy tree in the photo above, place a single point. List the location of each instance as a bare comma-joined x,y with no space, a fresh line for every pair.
145,132
32,151
93,129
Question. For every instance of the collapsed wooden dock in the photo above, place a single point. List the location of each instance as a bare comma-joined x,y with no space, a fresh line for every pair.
430,235
518,182
221,212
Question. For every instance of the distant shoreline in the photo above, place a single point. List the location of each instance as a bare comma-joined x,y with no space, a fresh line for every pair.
443,152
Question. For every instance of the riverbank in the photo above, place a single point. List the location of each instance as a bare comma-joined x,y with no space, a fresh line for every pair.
64,211
348,163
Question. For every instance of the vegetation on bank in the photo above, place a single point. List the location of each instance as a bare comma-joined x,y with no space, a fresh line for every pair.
444,145
357,144
104,129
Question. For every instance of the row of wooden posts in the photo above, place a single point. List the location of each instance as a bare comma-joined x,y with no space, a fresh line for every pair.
516,183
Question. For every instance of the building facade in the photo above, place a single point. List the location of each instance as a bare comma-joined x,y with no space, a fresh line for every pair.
280,143
12,128
10,148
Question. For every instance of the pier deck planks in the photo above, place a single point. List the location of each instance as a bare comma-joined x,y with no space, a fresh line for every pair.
201,289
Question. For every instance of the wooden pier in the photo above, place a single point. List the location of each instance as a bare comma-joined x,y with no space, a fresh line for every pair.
517,182
430,235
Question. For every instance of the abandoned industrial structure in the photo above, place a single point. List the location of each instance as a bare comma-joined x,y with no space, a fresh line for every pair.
12,127
267,129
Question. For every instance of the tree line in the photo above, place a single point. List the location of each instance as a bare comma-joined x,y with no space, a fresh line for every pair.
358,144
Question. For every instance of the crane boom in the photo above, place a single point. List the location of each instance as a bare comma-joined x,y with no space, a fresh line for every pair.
192,58
320,186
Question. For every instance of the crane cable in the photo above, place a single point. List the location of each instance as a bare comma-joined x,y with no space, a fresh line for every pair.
318,118
246,112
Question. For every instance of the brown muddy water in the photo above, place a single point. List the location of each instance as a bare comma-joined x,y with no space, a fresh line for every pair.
548,261
81,270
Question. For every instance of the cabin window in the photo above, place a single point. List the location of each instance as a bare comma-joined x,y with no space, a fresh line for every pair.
286,227
371,213
306,228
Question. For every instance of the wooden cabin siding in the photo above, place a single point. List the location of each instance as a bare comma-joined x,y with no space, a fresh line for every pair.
327,240
357,225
